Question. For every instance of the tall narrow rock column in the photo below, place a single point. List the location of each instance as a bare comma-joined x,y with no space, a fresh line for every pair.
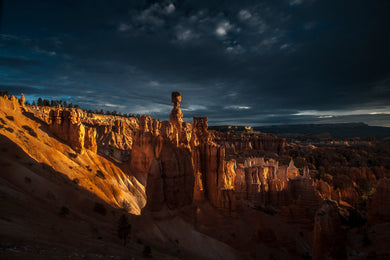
176,116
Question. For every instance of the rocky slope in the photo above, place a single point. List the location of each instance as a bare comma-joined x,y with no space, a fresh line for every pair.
59,200
178,183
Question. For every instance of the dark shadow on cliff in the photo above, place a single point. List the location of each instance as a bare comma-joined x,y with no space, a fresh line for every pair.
97,215
45,128
42,125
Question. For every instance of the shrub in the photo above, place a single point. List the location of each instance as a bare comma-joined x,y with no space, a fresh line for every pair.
100,174
9,129
76,181
267,210
99,208
125,205
30,131
147,252
4,93
124,228
366,240
50,195
73,155
11,118
364,185
64,211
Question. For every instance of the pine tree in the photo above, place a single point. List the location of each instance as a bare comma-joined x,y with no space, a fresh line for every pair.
124,228
40,102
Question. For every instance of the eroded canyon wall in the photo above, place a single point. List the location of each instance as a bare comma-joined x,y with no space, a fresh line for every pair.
180,163
66,124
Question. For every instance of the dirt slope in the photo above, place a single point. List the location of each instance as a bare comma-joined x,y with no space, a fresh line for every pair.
58,204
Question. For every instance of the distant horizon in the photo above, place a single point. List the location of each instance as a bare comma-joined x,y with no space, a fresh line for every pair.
189,118
251,62
349,123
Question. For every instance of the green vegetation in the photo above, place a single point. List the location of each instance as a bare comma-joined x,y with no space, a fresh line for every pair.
4,93
100,174
99,208
11,118
9,129
53,103
64,211
124,228
147,252
27,180
30,131
125,205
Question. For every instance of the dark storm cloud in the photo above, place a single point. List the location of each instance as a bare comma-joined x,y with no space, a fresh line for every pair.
23,89
247,62
16,62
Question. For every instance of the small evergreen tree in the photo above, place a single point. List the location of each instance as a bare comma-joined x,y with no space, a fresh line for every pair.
147,251
124,228
4,93
46,103
40,102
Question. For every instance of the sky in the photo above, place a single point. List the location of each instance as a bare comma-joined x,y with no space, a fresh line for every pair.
237,62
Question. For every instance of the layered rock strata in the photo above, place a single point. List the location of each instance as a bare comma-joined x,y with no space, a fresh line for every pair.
66,124
328,236
379,203
235,143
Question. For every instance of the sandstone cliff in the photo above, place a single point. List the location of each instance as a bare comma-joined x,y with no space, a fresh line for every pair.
66,124
379,204
179,163
328,236
161,153
42,156
235,143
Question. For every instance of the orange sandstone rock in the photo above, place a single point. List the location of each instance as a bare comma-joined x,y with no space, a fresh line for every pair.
66,125
328,237
379,204
22,100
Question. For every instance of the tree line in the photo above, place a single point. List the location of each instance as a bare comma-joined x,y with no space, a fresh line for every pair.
53,103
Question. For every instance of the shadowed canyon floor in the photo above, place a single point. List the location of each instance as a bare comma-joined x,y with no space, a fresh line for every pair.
67,177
